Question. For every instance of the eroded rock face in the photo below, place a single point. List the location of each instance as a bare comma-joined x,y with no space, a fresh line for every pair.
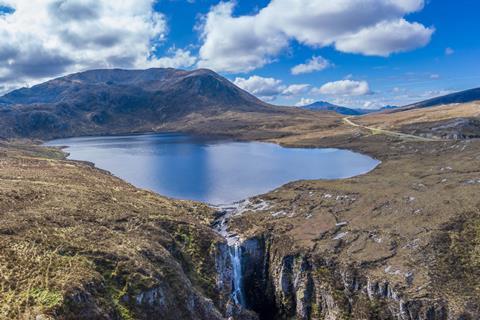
224,280
452,129
302,286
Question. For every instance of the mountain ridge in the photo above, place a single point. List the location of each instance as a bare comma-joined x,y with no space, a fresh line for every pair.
150,80
111,101
327,106
463,96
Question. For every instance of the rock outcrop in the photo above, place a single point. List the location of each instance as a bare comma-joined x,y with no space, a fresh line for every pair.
304,286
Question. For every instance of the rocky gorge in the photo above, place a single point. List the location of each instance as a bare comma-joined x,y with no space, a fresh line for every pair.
276,284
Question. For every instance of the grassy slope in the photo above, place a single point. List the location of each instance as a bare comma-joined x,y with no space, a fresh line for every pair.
462,120
417,213
75,242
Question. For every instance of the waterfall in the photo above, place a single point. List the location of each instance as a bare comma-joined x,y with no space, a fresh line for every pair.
237,289
234,248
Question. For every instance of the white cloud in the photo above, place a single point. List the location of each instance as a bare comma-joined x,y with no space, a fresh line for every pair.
304,102
433,94
269,88
370,27
260,86
179,58
369,104
398,89
313,64
295,89
237,44
449,51
344,88
385,38
44,38
434,76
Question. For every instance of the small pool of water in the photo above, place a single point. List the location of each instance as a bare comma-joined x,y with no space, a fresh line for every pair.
210,170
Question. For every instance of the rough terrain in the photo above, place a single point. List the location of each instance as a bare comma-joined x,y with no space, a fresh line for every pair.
401,242
398,243
120,101
78,243
453,121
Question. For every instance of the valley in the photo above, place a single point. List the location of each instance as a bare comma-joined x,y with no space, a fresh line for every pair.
399,242
239,160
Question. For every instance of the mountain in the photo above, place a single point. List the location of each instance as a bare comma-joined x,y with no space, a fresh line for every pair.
120,101
326,106
387,107
457,97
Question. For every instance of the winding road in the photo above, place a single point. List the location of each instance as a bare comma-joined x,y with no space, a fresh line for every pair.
387,132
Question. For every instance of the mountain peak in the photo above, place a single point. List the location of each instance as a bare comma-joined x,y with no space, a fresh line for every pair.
327,106
125,98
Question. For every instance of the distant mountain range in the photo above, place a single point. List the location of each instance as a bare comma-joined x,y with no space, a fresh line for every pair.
116,101
120,101
326,106
457,97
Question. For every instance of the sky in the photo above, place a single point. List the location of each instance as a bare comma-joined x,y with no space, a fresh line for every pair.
355,53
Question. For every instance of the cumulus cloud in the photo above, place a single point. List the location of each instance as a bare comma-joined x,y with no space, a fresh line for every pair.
371,27
239,44
178,58
304,102
313,64
295,89
385,38
269,88
44,38
344,88
260,86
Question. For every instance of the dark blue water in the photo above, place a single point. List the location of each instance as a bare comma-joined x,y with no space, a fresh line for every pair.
212,171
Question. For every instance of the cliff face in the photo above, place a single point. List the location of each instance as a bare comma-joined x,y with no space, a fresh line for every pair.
302,286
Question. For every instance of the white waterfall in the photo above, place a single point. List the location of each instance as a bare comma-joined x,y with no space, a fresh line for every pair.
237,290
234,248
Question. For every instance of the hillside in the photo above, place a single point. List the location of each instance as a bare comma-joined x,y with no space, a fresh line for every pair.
123,101
400,242
452,121
457,97
78,243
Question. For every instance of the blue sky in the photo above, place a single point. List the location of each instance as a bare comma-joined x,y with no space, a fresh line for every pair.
449,62
359,53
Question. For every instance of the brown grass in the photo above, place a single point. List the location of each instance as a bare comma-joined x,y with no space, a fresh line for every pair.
392,120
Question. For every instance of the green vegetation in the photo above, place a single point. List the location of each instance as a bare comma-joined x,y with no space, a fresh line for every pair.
77,241
46,298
